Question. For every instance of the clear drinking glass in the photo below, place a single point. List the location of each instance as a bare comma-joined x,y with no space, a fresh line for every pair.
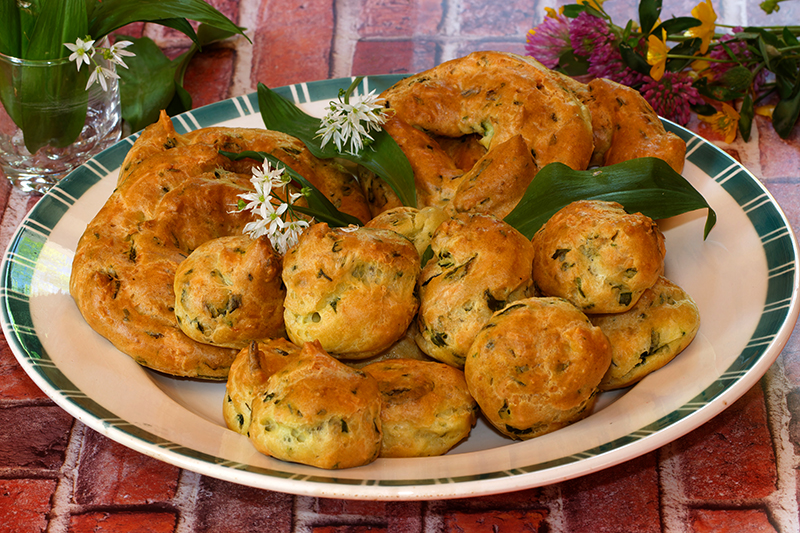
49,123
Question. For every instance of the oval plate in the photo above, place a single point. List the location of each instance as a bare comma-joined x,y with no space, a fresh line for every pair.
744,278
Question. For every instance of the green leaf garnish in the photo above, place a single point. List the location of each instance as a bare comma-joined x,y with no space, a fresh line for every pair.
109,15
646,185
319,206
383,156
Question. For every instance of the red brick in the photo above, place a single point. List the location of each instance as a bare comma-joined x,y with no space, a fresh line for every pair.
522,499
208,78
34,436
503,19
24,504
123,523
110,474
400,18
229,8
724,521
14,382
621,498
135,29
393,57
330,506
223,507
730,457
404,517
493,521
5,191
292,43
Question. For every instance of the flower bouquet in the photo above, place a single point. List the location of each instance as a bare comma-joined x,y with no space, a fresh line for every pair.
56,114
681,65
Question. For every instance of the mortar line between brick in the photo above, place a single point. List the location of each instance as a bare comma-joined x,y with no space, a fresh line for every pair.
62,505
345,37
306,517
451,27
185,501
778,417
673,503
242,82
302,507
556,519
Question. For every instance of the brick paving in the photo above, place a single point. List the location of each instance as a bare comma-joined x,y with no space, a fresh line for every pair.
737,473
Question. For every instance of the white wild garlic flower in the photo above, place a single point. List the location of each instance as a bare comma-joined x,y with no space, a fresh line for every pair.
83,52
351,123
271,210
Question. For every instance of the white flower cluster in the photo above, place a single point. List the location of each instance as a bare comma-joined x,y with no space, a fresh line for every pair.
346,122
272,210
84,52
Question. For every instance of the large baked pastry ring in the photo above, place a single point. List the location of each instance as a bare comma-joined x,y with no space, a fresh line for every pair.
498,95
174,193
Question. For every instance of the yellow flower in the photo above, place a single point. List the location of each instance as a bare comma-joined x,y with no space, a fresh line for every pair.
700,69
704,12
765,110
552,13
725,122
596,4
657,51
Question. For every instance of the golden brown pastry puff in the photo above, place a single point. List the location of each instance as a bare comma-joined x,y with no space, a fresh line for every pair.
415,224
649,335
535,366
248,375
353,289
405,348
427,408
228,292
479,264
318,411
597,256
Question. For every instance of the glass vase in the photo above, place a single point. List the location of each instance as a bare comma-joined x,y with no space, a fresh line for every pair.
50,123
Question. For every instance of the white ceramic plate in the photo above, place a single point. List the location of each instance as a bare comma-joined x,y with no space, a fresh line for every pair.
744,279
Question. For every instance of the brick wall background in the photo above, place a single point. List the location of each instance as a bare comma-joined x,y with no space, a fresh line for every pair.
737,473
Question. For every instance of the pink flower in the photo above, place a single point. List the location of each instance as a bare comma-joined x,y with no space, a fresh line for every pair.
606,62
549,40
671,96
587,33
592,38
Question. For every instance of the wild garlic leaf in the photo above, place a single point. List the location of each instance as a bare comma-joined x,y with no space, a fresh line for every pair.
382,156
148,85
10,37
110,15
319,206
646,185
58,22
